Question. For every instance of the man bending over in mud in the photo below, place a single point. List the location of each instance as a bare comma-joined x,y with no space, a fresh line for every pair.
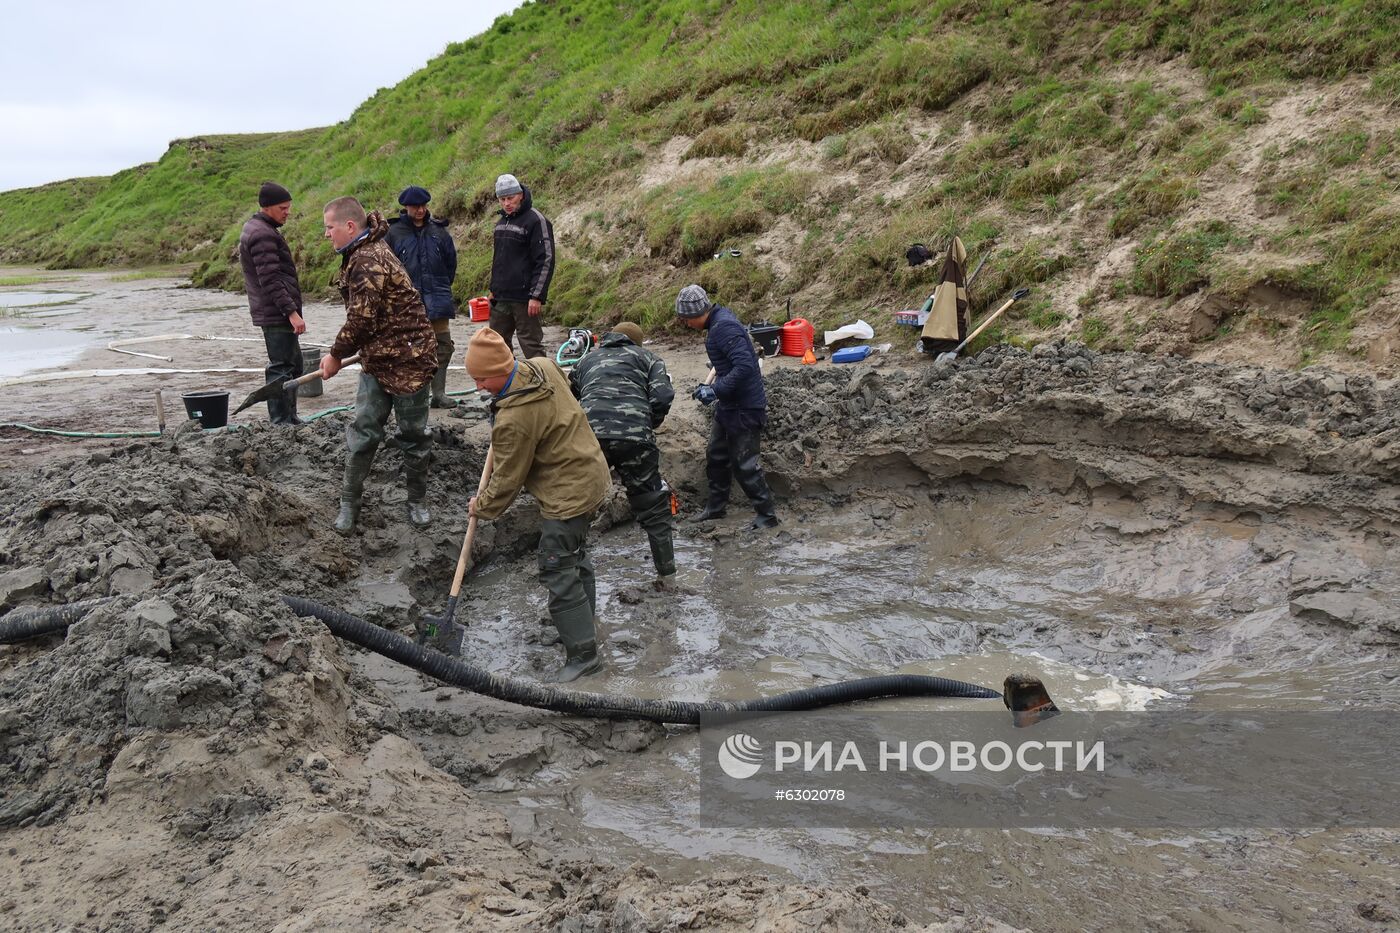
385,322
626,393
541,442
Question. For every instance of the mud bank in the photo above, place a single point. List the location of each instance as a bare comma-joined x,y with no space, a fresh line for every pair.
1143,530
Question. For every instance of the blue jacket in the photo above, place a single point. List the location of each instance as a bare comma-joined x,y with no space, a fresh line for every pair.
738,382
430,257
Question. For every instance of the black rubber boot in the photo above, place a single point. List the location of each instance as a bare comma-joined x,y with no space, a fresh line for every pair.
581,661
717,475
653,512
440,397
577,633
284,362
416,479
710,512
351,488
743,446
348,515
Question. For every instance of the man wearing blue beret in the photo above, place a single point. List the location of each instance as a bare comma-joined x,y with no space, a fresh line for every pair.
424,246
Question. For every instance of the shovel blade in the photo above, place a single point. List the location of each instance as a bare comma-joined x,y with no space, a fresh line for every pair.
441,633
271,390
1028,700
945,359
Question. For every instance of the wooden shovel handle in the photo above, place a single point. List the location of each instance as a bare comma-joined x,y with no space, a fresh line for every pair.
316,373
471,526
1015,297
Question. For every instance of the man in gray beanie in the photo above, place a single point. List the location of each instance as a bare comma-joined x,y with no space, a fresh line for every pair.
274,294
741,408
521,268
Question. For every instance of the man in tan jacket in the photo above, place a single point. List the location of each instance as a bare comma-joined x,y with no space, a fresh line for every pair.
543,444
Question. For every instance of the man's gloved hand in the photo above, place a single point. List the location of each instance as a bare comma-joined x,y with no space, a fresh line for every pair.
705,395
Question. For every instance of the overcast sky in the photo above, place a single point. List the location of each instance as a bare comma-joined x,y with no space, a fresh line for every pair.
89,88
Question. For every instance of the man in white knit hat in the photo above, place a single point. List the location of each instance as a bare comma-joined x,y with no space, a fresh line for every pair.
521,267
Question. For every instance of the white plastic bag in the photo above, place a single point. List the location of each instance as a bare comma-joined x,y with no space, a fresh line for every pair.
860,330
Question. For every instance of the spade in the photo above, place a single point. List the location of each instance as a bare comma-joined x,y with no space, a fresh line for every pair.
441,632
273,389
944,359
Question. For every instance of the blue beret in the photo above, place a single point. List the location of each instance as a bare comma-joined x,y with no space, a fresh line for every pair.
412,196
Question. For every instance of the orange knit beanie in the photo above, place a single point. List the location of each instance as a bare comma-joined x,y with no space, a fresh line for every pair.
488,355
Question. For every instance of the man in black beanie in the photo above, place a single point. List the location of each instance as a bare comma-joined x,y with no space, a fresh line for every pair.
274,294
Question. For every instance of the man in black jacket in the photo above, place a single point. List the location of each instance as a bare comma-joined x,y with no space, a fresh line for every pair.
274,294
521,267
424,246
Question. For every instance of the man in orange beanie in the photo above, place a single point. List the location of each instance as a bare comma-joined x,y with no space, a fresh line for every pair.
543,444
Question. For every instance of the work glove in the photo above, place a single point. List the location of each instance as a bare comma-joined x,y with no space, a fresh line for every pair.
705,395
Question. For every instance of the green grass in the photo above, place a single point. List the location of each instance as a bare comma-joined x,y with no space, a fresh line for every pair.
574,95
154,272
24,280
1177,265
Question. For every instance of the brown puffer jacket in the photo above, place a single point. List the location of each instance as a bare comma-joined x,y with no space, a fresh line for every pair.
384,317
543,443
269,274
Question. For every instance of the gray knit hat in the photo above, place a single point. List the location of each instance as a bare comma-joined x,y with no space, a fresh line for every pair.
506,185
692,302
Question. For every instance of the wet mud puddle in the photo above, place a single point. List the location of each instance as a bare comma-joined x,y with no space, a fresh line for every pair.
27,345
975,586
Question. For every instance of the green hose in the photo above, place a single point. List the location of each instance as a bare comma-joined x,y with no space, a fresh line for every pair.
55,433
328,411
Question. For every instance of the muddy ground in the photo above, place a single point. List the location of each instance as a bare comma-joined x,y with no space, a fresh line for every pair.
1139,530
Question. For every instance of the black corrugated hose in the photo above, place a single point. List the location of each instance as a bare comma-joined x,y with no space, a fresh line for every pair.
24,624
612,706
528,693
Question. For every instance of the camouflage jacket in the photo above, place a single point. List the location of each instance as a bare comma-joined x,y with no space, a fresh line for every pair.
624,390
384,317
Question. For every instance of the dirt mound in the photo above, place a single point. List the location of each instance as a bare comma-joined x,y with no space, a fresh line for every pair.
1092,413
192,748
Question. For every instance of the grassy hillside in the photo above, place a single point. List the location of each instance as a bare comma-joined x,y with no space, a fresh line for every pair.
1203,176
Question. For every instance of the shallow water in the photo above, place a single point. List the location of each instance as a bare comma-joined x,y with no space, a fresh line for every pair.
975,589
25,349
10,299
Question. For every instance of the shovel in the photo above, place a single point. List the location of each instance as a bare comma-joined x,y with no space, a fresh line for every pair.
440,631
273,389
943,359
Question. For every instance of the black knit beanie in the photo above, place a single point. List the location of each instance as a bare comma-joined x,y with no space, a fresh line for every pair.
272,193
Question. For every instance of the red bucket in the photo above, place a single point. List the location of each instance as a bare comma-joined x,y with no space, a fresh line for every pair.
797,337
480,309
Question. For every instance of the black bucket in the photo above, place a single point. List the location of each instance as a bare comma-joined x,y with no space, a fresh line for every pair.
210,409
767,336
310,362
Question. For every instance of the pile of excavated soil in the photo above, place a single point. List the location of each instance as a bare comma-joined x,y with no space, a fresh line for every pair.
193,754
1067,400
1302,467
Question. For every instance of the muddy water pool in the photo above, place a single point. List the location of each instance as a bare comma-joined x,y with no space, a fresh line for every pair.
982,582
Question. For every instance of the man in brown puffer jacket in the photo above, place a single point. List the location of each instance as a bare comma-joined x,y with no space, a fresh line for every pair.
274,294
385,322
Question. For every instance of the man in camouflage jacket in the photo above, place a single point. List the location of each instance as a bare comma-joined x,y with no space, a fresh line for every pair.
626,393
385,323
